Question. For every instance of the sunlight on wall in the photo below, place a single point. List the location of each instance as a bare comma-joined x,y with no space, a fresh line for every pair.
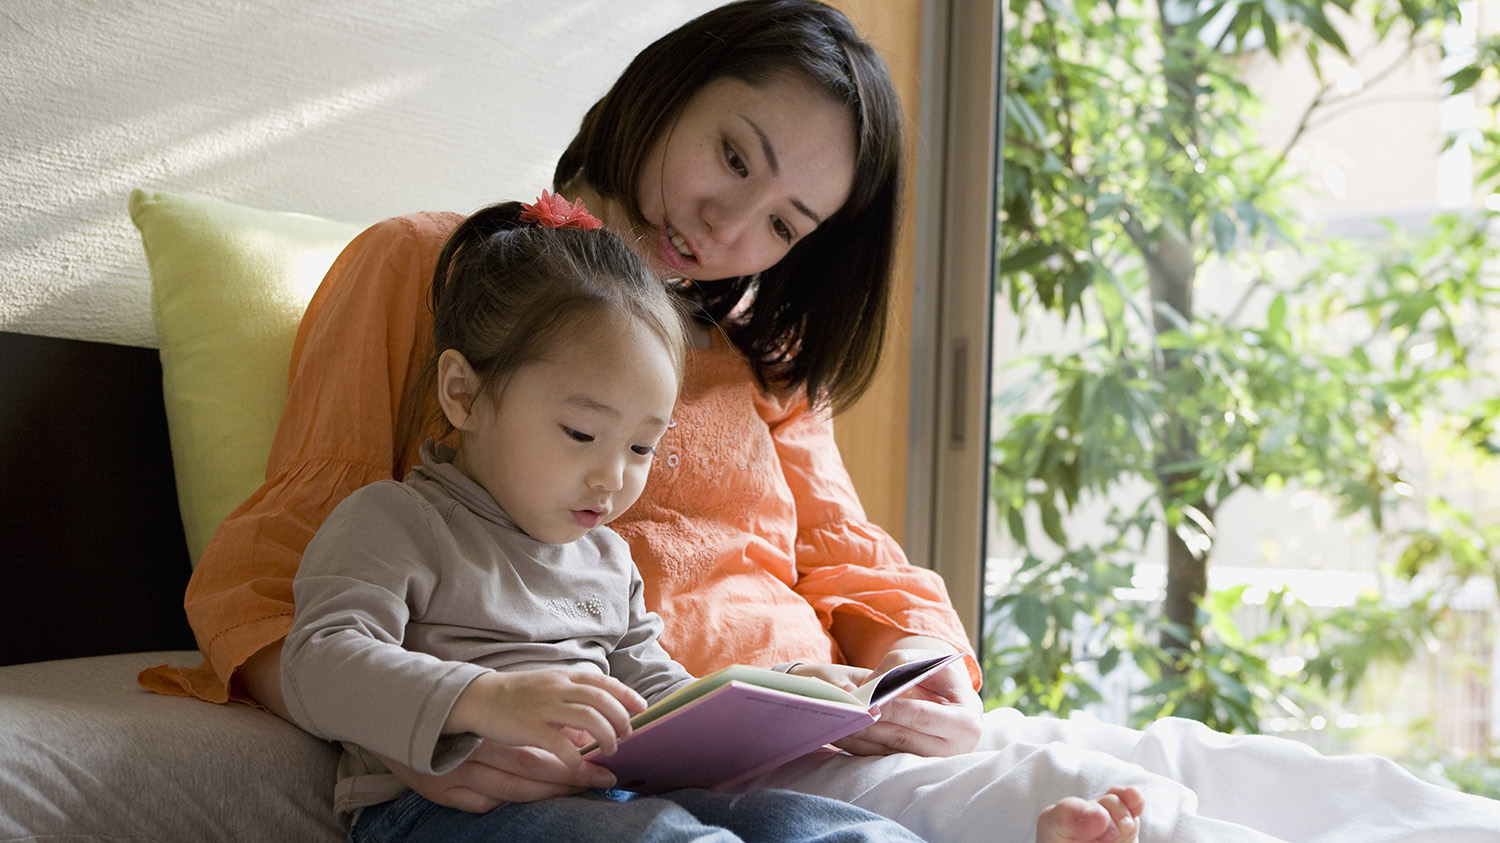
287,106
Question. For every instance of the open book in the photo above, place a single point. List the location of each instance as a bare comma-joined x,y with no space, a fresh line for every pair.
742,721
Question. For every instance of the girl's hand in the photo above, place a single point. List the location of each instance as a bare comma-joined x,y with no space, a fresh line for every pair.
552,710
939,717
496,773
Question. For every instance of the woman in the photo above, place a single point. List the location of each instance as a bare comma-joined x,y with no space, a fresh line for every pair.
756,152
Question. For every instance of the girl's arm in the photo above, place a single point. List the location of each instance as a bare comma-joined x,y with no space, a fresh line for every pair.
493,774
373,566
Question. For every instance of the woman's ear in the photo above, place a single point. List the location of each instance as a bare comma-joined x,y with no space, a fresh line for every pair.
457,386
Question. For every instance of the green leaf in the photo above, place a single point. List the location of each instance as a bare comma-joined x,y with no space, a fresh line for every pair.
1224,233
1463,79
1024,119
1272,35
1052,523
1276,314
1319,24
1105,206
1017,525
1031,618
1026,257
1109,661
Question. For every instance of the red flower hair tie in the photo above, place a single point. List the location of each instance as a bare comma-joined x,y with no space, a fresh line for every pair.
553,211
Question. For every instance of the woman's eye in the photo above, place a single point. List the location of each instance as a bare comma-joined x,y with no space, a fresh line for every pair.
782,230
734,161
577,435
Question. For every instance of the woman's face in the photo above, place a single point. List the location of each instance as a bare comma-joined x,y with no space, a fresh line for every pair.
744,173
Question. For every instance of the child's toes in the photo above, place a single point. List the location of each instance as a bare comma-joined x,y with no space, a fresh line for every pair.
1124,805
1074,820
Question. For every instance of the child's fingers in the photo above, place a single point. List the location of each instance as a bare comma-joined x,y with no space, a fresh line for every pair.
605,729
626,695
600,699
842,676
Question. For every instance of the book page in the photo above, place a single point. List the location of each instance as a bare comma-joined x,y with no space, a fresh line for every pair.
804,686
883,687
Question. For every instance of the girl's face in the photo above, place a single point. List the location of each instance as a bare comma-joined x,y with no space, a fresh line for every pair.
744,173
566,443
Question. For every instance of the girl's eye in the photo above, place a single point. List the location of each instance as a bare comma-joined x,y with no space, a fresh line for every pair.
643,450
782,230
734,161
577,435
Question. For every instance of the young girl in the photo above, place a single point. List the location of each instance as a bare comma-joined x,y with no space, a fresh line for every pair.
483,598
753,158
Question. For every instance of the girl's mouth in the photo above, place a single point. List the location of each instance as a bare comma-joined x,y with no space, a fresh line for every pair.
587,518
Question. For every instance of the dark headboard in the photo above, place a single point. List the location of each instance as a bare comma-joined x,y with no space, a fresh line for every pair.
92,554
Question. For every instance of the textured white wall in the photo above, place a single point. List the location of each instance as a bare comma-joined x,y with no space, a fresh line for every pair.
350,110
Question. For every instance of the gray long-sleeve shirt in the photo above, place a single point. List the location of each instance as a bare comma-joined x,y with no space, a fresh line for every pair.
410,590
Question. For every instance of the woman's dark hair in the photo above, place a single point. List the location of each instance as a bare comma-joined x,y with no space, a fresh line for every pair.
816,320
506,293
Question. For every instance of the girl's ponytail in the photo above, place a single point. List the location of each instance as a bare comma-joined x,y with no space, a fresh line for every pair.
472,232
513,280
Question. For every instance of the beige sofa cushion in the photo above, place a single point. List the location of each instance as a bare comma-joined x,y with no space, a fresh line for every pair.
91,756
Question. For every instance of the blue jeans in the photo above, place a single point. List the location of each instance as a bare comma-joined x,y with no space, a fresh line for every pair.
765,816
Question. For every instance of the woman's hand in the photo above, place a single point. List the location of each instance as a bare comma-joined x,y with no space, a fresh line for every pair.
496,773
939,717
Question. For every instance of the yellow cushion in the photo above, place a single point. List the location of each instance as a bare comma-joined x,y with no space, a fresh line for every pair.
228,287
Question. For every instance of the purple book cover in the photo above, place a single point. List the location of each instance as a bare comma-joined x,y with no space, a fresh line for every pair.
741,729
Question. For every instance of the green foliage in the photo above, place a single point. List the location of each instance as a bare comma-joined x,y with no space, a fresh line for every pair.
1471,775
1128,171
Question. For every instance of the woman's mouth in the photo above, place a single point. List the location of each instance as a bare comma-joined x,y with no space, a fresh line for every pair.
674,249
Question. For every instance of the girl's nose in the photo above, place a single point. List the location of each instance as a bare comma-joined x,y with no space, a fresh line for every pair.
608,475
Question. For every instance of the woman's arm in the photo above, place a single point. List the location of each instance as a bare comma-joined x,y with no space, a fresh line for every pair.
883,610
848,568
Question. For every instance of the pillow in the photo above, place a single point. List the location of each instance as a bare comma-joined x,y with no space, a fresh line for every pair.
228,288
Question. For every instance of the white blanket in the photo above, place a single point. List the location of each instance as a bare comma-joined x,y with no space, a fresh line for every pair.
1200,786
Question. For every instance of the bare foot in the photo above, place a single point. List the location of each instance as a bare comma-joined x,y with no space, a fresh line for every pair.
1112,819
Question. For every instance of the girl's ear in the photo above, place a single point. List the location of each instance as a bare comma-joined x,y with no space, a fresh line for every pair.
457,386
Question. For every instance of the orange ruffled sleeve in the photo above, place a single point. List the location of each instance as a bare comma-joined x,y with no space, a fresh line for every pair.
365,336
751,538
846,563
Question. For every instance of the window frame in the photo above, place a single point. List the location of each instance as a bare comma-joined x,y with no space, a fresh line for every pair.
957,173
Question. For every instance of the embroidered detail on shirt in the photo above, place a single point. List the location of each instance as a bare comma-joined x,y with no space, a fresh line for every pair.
592,607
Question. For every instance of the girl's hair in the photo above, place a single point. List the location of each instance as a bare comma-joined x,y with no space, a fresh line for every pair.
506,293
816,320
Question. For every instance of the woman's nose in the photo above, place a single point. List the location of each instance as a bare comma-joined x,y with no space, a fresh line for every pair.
727,220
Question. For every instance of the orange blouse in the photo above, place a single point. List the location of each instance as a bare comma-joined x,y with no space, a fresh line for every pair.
749,535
